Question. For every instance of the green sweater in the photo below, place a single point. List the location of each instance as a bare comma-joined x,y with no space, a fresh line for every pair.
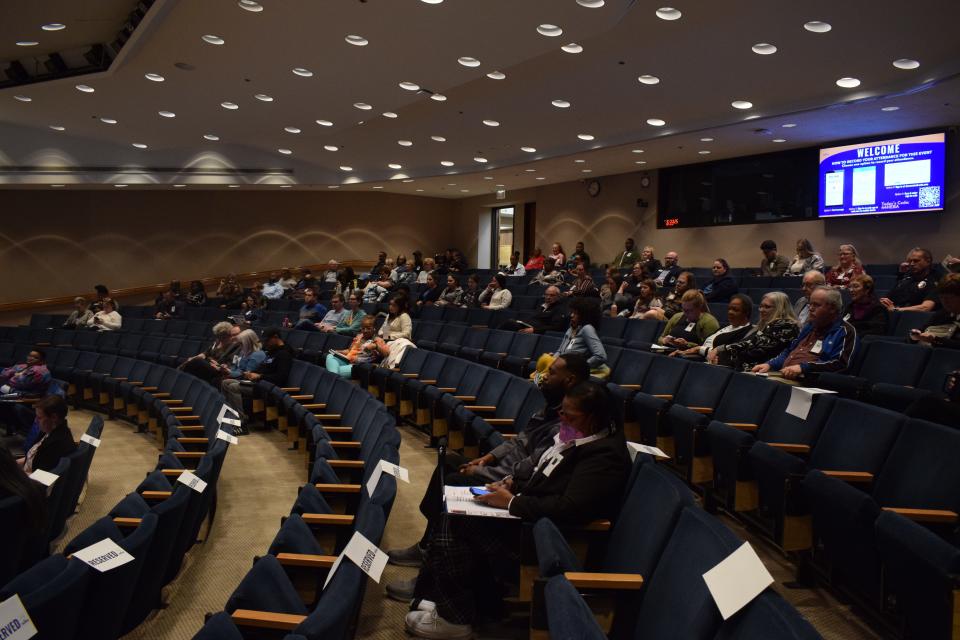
349,324
707,325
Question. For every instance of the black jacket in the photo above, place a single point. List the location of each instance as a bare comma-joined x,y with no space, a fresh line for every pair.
720,289
553,318
57,444
874,322
276,368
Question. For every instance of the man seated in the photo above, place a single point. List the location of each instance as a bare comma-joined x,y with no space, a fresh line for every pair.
330,275
943,329
550,316
811,280
667,278
168,306
311,313
629,289
549,274
378,266
916,289
273,290
306,281
627,257
81,315
773,264
580,253
582,285
826,342
102,294
30,378
333,317
514,269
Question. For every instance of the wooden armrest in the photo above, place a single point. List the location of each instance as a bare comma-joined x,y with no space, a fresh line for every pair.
595,525
429,381
479,407
315,405
174,473
327,416
190,428
663,396
328,518
925,515
188,418
169,401
447,389
627,581
635,387
410,375
345,444
134,383
189,454
397,369
162,394
702,410
289,389
266,619
149,388
346,430
305,396
127,522
180,409
743,426
337,488
494,422
122,380
508,436
849,476
466,398
156,495
306,560
346,464
790,448
192,440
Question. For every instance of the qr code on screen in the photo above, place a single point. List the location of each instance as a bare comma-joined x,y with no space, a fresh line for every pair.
929,196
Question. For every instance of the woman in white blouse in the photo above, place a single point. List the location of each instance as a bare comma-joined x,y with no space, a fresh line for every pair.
398,323
107,319
496,295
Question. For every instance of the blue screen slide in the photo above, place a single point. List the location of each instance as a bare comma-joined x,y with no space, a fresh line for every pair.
887,176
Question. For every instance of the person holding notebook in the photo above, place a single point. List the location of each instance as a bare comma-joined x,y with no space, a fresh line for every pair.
367,346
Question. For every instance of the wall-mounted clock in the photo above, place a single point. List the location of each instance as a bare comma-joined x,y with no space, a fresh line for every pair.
645,182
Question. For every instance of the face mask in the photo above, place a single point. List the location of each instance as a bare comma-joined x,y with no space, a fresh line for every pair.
568,432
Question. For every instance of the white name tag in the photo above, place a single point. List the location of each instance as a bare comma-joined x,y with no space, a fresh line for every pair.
385,467
846,318
635,447
817,347
223,435
737,580
192,481
552,463
223,419
15,623
691,326
44,477
93,442
104,555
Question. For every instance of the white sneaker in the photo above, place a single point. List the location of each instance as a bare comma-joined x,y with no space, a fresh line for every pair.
428,624
427,605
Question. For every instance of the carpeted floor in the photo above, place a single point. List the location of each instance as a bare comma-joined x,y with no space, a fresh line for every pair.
258,485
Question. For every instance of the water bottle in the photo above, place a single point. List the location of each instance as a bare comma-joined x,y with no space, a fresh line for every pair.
286,322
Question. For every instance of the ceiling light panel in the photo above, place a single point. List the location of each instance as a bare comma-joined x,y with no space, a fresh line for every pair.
668,13
212,39
817,26
357,41
573,47
549,30
468,61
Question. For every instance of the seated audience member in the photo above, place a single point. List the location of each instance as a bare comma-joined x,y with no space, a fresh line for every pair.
273,290
402,272
578,252
629,289
14,483
514,269
211,363
806,260
458,263
651,266
398,324
367,347
377,290
30,378
692,325
516,458
776,330
773,264
306,281
311,313
579,479
739,310
558,256
231,293
470,297
430,293
250,311
951,264
81,315
943,409
275,369
811,280
287,281
549,316
581,337
248,357
848,265
168,306
646,301
451,294
864,311
609,288
549,274
626,258
102,293
417,265
916,288
107,319
330,274
347,282
825,343
582,285
378,266
429,266
496,295
353,315
536,260
332,318
672,301
722,286
56,441
666,279
943,329
197,295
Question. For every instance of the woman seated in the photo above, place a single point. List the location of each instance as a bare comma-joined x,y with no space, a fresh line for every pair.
346,282
582,338
451,295
536,260
496,295
230,292
398,324
864,310
557,255
722,286
378,290
197,296
367,347
287,281
550,275
609,288
251,312
81,315
739,310
943,329
353,315
777,328
429,266
247,359
107,319
671,302
56,440
470,297
583,283
431,293
650,264
692,325
807,259
647,303
206,364
848,266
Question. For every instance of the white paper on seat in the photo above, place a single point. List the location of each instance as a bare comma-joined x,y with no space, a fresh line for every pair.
800,400
737,580
104,555
90,440
15,623
192,481
635,447
383,466
460,501
44,477
223,435
366,555
333,570
223,419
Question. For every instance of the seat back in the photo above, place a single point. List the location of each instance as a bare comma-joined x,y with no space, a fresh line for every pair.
499,341
940,363
13,537
702,385
746,399
909,360
493,388
631,367
921,471
768,616
52,593
780,426
664,376
856,437
57,510
452,372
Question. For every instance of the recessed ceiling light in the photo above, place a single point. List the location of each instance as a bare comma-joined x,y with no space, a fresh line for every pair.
285,152
302,72
230,105
496,75
703,152
108,120
741,104
167,114
27,43
292,129
179,186
23,98
640,162
404,143
488,177
408,180
585,136
139,145
573,47
648,79
779,140
331,147
541,178
389,114
464,190
764,48
233,186
285,186
668,13
906,63
120,186
211,137
590,4
428,3
789,125
480,159
409,86
656,122
358,41
438,138
54,26
549,30
848,83
57,186
439,97
363,106
816,26
250,5
85,88
344,167
561,104
394,165
262,97
333,186
890,108
579,161
468,61
706,139
446,163
752,117
491,123
212,39
529,149
586,170
154,77
57,127
377,186
324,123
451,184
